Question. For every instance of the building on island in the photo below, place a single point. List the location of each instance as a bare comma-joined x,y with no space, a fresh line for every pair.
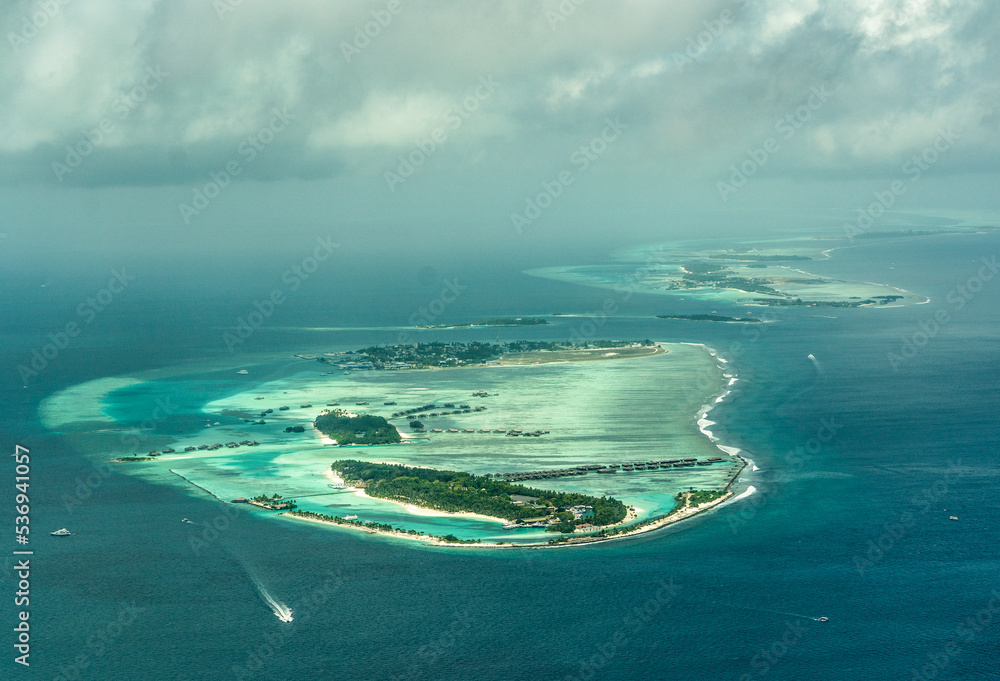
582,512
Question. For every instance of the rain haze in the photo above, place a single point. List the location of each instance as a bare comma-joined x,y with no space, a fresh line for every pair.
428,126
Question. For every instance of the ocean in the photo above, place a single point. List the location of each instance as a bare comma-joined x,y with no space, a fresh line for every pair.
870,428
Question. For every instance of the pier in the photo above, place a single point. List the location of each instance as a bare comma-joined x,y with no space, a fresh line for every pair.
606,469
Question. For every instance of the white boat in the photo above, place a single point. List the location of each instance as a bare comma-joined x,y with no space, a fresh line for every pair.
243,372
61,533
185,520
350,517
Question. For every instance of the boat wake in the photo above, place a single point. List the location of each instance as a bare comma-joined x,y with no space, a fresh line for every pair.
779,612
280,610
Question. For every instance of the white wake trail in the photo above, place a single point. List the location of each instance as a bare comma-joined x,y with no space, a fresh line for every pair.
281,611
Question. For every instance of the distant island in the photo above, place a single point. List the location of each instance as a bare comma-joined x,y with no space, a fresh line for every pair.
798,302
493,321
459,492
715,275
361,429
441,355
709,318
758,258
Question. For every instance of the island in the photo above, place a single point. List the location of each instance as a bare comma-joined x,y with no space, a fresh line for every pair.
798,302
474,465
768,270
756,257
709,318
493,321
437,355
346,428
460,492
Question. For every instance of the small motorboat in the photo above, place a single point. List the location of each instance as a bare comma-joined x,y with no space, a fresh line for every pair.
61,533
185,520
822,619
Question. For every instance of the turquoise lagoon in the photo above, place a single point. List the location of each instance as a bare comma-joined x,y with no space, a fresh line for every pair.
652,268
617,410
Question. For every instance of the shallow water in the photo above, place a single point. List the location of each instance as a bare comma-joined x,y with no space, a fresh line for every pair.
376,607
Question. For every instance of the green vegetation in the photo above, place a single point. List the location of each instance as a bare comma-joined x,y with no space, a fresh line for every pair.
798,302
698,497
457,492
364,429
707,318
380,527
712,275
493,321
425,355
275,502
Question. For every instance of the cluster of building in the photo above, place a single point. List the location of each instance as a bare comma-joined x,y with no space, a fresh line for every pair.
499,431
606,469
217,445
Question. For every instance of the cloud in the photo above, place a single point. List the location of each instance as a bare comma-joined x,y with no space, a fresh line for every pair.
698,81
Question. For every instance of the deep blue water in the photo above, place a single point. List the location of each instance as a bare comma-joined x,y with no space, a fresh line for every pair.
903,449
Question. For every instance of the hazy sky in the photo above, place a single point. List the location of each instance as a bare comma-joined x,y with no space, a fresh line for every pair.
440,124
